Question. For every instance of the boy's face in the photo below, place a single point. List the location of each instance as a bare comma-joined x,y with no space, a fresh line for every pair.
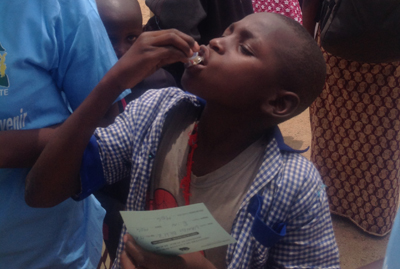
239,67
123,27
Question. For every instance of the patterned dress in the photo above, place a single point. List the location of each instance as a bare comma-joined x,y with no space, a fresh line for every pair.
355,144
289,8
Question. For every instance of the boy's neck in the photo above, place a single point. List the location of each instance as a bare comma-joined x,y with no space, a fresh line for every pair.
221,138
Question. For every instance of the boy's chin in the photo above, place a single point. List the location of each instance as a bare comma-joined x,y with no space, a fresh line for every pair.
187,82
192,91
193,84
189,90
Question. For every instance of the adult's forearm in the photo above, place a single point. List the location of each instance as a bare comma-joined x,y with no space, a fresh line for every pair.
48,185
21,148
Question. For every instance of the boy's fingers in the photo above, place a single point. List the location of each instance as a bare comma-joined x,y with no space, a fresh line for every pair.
170,55
151,51
173,32
162,56
176,40
126,262
132,254
133,250
144,258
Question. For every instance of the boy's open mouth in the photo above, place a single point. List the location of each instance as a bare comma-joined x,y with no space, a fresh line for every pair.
194,60
198,58
202,54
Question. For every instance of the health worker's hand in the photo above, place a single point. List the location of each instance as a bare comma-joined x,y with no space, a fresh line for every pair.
151,51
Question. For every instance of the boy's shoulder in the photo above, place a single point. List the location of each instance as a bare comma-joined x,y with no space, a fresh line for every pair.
290,160
296,163
163,97
300,172
153,107
287,169
292,186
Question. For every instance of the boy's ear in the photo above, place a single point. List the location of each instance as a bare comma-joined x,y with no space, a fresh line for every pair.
282,105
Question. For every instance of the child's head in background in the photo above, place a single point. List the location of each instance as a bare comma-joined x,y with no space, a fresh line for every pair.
123,22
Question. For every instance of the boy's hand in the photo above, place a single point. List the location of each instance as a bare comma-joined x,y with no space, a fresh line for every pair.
133,256
151,51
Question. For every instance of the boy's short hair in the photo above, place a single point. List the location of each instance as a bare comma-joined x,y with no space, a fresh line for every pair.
302,67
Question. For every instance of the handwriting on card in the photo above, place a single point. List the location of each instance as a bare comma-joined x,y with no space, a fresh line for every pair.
176,230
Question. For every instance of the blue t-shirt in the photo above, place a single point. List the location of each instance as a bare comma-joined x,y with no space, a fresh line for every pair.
53,53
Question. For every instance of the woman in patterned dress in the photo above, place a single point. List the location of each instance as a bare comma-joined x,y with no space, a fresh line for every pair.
289,8
355,137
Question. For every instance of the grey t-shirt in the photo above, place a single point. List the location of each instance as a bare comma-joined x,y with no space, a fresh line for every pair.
222,191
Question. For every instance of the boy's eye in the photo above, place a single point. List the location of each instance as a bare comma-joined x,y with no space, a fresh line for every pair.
243,49
132,38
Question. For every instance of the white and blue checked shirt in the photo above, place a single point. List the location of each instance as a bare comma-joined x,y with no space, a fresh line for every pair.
287,190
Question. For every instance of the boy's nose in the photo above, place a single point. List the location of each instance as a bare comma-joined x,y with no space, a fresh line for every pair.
217,44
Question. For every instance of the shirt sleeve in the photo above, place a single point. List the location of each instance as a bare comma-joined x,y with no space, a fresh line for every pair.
85,54
116,145
123,148
91,172
309,241
127,145
106,159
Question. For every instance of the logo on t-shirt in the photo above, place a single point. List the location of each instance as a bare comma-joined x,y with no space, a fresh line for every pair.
3,76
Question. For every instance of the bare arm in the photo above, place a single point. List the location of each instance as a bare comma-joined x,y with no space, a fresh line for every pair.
310,9
21,148
55,176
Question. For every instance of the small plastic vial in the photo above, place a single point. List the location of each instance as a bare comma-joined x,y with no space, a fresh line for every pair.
194,60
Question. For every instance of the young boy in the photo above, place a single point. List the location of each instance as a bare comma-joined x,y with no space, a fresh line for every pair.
123,22
264,70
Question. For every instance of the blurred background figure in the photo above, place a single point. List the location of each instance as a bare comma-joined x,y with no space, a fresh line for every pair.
355,142
123,22
289,8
